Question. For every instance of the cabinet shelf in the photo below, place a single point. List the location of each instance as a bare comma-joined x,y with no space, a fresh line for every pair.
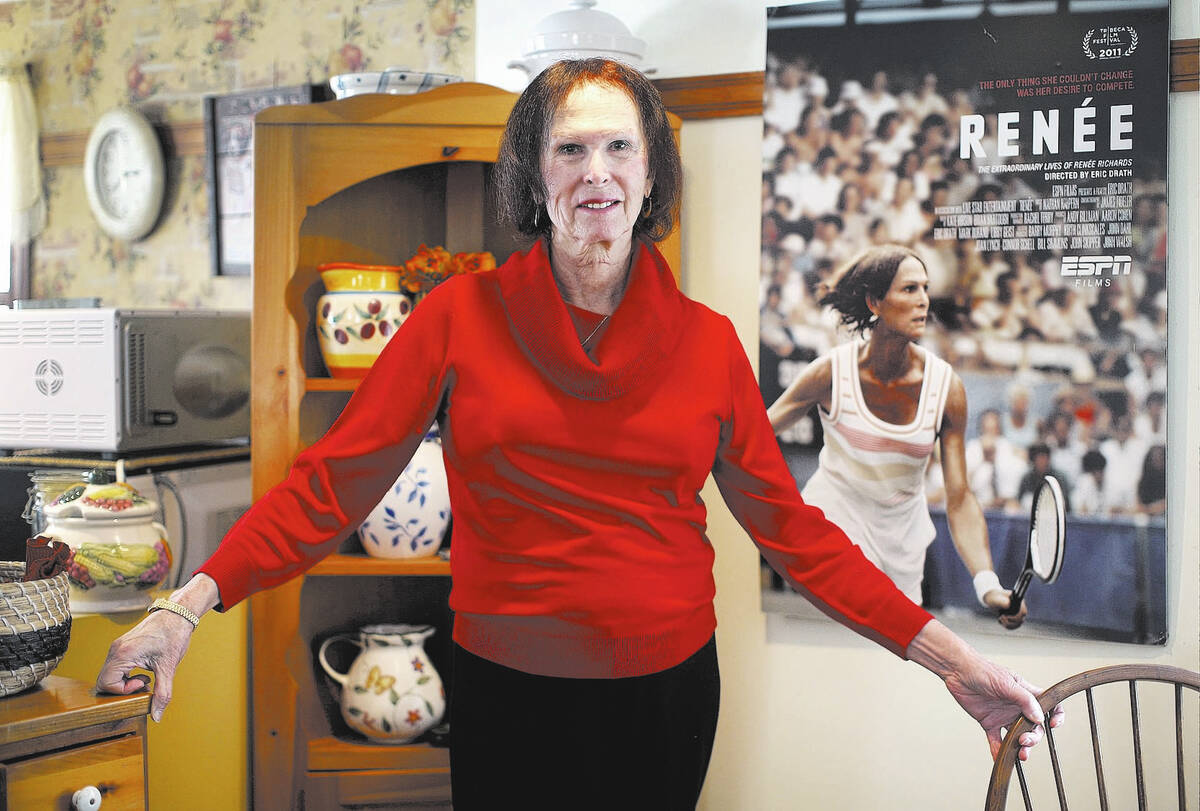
341,563
331,383
330,754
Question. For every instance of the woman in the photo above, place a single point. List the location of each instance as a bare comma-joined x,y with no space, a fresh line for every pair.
583,401
848,135
852,209
811,135
906,222
891,139
884,403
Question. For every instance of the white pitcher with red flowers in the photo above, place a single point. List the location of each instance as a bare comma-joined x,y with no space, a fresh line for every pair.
391,693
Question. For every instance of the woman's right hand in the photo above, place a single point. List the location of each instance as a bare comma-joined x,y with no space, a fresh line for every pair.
156,644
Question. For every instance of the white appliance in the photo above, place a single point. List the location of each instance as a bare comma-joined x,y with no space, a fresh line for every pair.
105,379
580,32
199,505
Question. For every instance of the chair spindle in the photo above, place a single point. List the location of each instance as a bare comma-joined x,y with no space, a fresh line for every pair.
1058,780
1179,747
1137,745
1024,785
1100,784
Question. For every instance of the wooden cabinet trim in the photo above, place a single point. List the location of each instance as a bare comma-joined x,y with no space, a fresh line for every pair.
462,104
336,755
360,565
725,95
419,788
73,737
1185,65
59,705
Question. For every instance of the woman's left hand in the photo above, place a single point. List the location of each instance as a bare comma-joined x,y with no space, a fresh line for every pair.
993,695
990,694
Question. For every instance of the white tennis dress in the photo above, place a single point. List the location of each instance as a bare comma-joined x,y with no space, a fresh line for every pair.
870,480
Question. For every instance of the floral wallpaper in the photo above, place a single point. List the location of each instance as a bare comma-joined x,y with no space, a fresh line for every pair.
162,57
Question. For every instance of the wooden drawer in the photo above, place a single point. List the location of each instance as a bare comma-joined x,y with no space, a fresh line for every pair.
115,767
380,789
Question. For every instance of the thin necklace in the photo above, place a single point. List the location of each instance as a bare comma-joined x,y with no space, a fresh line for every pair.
591,334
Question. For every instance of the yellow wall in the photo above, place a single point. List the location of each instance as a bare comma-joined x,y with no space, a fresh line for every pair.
199,753
163,58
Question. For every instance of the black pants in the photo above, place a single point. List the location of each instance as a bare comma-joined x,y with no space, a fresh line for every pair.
539,742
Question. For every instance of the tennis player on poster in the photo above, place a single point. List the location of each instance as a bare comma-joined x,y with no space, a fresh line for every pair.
884,403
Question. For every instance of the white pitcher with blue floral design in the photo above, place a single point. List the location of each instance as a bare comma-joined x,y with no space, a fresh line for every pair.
411,520
391,693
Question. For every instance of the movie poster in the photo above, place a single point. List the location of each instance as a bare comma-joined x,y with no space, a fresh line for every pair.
1022,158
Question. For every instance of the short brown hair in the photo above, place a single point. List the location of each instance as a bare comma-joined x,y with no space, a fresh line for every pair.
520,190
867,275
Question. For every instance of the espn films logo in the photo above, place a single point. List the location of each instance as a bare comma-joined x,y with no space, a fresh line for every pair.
1095,271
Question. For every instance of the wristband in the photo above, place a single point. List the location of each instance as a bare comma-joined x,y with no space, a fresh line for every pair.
163,604
984,582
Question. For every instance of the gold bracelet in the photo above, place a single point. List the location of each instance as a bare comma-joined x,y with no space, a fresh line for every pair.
175,608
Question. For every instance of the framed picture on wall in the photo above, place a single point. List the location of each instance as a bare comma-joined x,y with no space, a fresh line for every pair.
229,141
963,146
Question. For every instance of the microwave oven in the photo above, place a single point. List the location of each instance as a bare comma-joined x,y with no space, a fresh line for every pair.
108,379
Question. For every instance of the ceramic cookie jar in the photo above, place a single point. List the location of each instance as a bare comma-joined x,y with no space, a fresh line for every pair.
119,552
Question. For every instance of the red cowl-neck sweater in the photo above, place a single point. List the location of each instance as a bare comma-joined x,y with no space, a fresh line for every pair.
579,543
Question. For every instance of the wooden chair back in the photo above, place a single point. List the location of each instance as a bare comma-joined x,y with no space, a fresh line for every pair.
1142,730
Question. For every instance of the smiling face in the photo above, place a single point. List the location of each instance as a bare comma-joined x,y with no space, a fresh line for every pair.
906,305
595,167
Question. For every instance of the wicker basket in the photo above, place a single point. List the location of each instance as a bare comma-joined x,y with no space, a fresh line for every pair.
35,626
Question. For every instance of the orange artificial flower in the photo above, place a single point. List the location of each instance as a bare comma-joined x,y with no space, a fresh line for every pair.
427,268
473,262
430,267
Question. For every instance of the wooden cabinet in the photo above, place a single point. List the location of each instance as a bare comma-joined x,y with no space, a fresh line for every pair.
365,179
60,737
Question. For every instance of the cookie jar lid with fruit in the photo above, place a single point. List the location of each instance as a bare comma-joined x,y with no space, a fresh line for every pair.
119,553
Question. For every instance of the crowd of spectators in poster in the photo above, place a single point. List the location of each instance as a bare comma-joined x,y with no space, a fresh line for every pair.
1072,376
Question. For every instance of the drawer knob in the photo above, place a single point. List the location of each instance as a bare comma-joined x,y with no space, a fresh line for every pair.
87,798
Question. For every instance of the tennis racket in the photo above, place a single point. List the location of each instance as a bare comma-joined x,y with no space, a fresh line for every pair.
1047,537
